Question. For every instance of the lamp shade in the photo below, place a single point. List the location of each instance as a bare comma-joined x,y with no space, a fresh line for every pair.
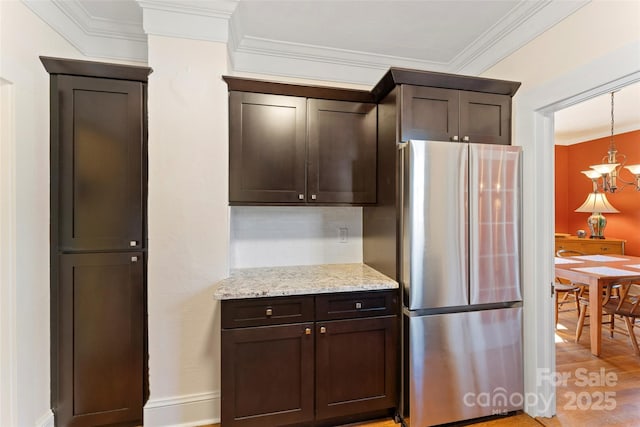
597,202
604,168
634,169
592,174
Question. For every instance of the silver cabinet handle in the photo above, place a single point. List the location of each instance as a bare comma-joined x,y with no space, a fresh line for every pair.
313,197
307,331
134,259
455,138
301,196
358,305
133,243
269,312
323,330
465,139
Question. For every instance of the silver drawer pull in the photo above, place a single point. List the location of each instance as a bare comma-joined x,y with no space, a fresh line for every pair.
313,197
134,259
269,312
358,305
307,331
133,243
323,330
301,196
465,139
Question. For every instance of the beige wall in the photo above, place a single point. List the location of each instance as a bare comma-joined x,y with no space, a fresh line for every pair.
593,31
188,224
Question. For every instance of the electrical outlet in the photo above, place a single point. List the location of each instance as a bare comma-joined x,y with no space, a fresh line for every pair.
343,235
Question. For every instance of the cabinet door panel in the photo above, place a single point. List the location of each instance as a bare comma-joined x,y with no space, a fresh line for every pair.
428,113
267,144
342,152
100,163
268,375
101,339
485,118
356,366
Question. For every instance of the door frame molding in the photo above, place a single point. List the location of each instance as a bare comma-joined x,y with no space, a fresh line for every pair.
8,313
534,130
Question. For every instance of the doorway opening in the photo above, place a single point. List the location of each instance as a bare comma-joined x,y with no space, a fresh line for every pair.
594,389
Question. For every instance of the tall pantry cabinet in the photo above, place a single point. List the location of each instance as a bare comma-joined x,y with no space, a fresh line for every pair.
98,242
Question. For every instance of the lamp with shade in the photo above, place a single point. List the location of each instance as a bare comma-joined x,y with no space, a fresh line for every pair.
597,204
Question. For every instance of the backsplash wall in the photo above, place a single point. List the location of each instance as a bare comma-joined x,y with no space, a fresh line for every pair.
276,236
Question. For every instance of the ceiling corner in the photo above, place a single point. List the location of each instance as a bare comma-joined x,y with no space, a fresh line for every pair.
93,37
526,22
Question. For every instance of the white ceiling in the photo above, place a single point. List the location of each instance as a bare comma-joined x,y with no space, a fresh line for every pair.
352,41
592,119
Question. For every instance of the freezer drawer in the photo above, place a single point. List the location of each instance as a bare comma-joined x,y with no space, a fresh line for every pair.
463,366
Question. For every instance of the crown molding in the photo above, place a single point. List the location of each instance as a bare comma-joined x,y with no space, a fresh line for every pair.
526,22
198,20
215,20
93,37
274,57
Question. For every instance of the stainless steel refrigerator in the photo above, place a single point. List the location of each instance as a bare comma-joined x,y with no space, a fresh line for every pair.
460,278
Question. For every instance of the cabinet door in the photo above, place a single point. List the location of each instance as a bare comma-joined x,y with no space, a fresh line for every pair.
342,152
356,366
99,149
428,113
100,334
267,375
267,143
485,118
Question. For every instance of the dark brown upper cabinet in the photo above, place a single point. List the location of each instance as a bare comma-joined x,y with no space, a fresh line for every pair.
453,115
100,164
291,144
342,152
267,148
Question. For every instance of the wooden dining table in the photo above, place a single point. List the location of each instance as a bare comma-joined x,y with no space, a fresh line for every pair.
598,271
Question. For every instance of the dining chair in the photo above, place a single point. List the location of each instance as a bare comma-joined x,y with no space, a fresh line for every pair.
583,298
624,302
565,289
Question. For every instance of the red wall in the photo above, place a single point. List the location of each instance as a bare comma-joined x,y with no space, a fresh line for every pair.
572,188
562,189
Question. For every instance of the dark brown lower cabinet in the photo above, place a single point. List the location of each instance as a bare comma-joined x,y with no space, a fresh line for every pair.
269,374
100,339
309,373
355,366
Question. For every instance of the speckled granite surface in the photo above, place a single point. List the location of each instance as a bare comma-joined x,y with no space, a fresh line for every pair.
301,280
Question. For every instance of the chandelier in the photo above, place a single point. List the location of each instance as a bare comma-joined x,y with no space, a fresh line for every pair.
610,168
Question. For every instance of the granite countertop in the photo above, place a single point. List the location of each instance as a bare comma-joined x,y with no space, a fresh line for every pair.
301,280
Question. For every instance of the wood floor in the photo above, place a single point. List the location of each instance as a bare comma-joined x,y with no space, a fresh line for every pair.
598,391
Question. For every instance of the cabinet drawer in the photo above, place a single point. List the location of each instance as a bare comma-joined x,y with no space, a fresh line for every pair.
266,311
588,246
357,304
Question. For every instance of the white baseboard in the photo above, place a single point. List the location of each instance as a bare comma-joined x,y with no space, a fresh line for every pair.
46,420
189,410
